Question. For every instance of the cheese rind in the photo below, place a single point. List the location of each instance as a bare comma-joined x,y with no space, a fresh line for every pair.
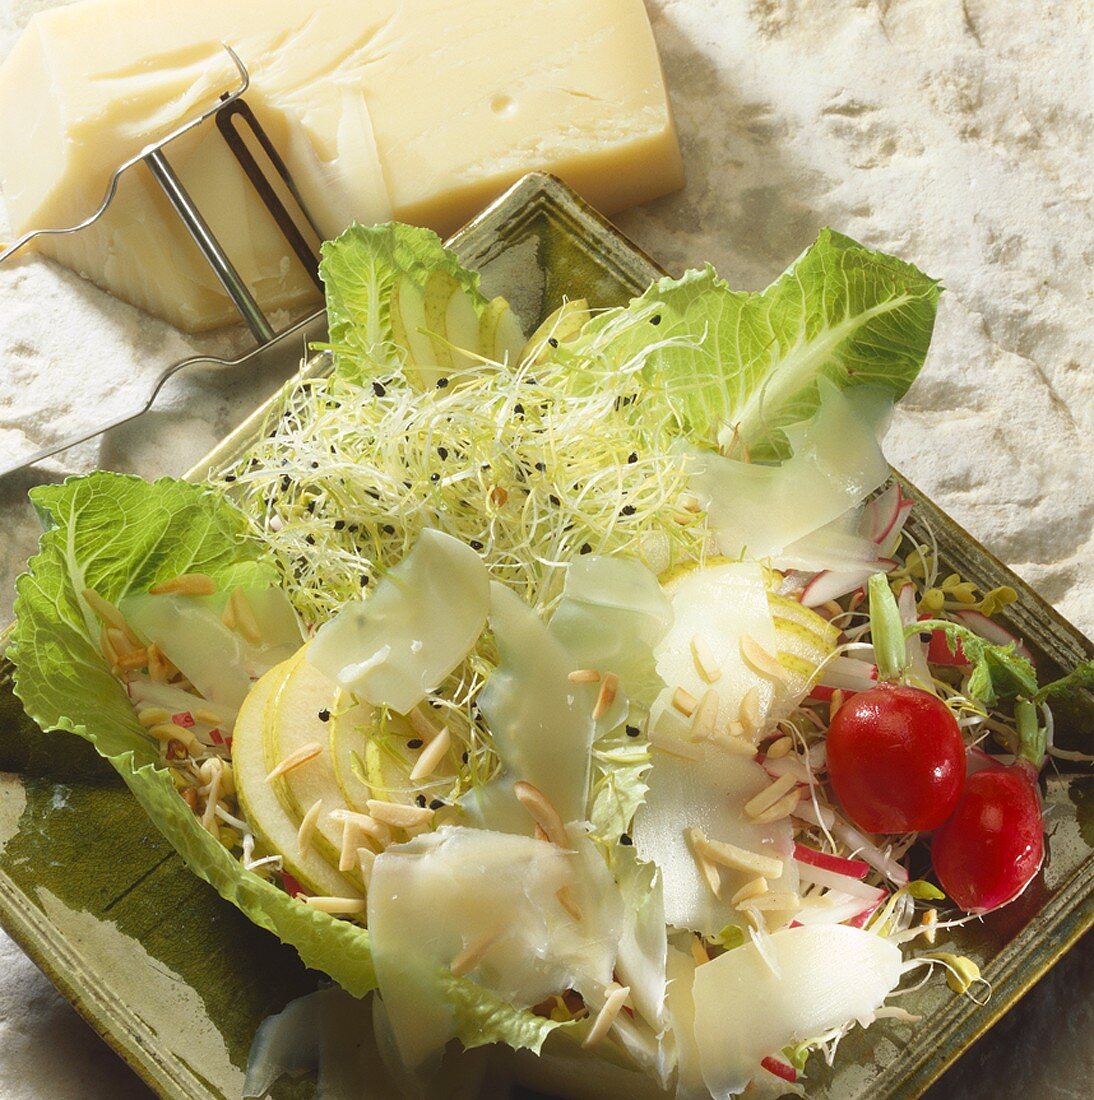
421,111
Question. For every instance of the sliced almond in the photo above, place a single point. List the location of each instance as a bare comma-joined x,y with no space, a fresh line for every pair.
306,833
748,713
928,922
469,956
296,759
734,858
778,810
605,1018
706,664
584,676
109,614
759,660
705,719
431,756
751,889
245,622
769,795
543,812
736,745
697,843
566,899
398,814
337,907
185,584
609,688
779,747
684,702
365,859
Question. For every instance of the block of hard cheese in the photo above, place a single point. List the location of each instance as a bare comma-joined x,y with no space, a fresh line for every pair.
420,110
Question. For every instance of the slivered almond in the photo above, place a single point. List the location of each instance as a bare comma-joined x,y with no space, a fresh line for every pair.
779,747
698,951
540,833
928,922
168,731
107,646
153,716
398,814
736,745
609,688
736,859
697,843
209,717
785,900
566,899
751,889
306,832
470,955
431,755
778,810
159,667
337,907
543,812
769,795
296,759
353,840
584,676
185,584
759,660
748,713
109,614
121,643
705,718
613,1005
130,662
684,702
245,622
706,664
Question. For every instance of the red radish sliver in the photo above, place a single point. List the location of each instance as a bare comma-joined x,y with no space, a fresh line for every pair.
184,719
848,674
842,884
991,631
866,914
780,1069
217,737
841,865
292,887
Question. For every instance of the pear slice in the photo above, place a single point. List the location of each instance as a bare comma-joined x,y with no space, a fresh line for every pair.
451,321
408,326
804,640
561,325
500,336
350,725
275,830
293,720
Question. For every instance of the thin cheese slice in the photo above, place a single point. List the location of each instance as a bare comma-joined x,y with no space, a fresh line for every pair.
420,111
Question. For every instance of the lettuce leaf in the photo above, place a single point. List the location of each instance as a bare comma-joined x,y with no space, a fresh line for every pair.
737,368
118,534
482,1017
362,270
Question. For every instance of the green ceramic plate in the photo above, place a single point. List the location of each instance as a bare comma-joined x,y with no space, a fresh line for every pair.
177,980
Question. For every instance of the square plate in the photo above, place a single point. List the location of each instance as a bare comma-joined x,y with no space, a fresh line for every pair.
177,980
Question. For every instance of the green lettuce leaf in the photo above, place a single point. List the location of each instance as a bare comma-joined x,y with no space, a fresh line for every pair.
363,272
118,534
482,1017
737,368
999,672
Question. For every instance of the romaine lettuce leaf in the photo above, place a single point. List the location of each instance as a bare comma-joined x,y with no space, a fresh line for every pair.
119,534
736,368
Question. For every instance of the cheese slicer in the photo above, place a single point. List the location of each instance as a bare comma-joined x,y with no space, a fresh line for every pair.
275,189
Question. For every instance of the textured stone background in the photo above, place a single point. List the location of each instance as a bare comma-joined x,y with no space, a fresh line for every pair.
952,132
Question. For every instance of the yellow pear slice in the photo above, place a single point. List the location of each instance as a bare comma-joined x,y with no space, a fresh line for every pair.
298,715
275,830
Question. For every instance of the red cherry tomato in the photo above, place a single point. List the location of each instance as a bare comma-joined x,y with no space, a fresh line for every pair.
988,851
896,759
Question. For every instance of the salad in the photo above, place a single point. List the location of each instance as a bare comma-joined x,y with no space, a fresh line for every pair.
579,694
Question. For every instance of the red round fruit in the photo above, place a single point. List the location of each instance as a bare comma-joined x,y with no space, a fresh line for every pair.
896,759
992,846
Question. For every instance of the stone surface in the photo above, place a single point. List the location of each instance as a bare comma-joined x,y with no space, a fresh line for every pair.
952,132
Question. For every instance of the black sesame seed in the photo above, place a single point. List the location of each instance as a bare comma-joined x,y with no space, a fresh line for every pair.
443,452
518,408
633,731
655,319
627,510
552,341
309,539
585,548
415,743
436,804
442,383
632,458
324,715
229,477
434,478
315,465
378,389
364,580
625,839
339,524
388,529
475,544
466,756
541,466
554,500
310,506
286,481
421,801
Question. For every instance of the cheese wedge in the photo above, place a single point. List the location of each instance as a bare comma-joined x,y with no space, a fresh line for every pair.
422,111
